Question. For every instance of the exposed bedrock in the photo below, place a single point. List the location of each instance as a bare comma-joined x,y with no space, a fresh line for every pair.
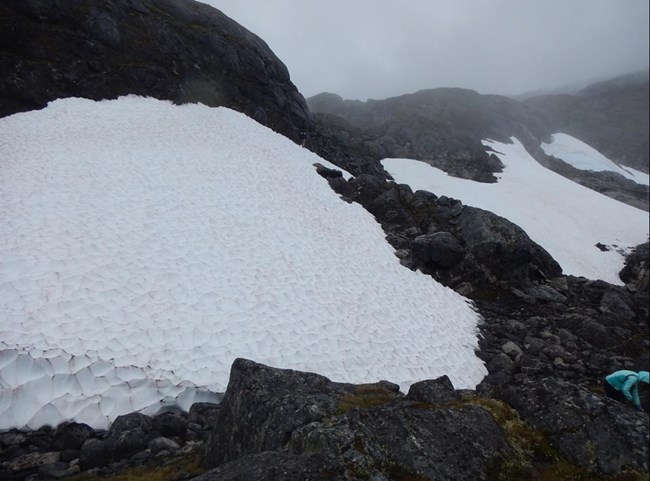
372,431
586,427
183,51
349,431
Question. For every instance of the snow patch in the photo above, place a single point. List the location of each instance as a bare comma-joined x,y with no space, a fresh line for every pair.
584,157
144,246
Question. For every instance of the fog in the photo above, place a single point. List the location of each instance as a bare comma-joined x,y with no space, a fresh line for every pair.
363,49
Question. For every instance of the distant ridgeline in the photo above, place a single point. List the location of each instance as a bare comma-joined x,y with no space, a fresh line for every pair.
444,127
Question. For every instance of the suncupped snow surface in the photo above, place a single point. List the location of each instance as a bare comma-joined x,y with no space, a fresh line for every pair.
584,157
565,218
144,246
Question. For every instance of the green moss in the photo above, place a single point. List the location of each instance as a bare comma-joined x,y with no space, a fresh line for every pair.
533,458
424,214
365,396
176,468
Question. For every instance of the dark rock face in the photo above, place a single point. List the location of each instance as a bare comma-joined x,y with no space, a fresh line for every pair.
277,466
263,406
433,391
183,51
442,249
128,435
71,436
586,427
349,432
433,443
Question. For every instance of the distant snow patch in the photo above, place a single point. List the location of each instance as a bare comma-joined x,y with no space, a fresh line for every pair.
584,157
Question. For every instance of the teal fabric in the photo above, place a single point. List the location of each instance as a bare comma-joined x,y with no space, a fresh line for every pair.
627,382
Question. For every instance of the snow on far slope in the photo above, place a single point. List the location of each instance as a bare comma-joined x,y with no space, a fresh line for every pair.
584,157
565,218
144,246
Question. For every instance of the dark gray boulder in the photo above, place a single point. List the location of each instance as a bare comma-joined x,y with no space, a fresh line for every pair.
263,406
127,436
499,249
96,453
432,391
71,436
183,51
170,425
440,248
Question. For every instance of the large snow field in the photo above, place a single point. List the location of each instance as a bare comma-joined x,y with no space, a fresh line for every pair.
144,246
565,218
584,157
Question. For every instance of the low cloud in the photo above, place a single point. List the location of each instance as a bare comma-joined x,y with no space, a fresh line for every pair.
381,48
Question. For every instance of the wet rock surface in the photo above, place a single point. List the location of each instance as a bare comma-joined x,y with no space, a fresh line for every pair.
183,51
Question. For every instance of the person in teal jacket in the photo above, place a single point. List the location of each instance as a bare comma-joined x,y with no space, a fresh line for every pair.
624,386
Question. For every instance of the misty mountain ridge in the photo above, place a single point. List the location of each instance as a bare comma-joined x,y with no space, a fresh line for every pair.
574,88
445,127
611,116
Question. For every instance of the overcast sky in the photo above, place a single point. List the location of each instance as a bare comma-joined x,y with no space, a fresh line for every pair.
363,49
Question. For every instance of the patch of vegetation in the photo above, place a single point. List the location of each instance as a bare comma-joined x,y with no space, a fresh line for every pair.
176,468
424,213
533,458
365,396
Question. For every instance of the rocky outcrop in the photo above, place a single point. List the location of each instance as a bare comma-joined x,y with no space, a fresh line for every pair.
183,51
352,432
263,406
466,248
360,432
